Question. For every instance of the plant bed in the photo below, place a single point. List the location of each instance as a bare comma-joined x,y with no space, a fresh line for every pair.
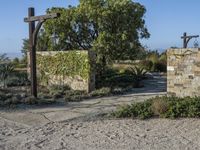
163,107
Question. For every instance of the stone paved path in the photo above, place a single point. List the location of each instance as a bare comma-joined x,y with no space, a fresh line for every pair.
66,111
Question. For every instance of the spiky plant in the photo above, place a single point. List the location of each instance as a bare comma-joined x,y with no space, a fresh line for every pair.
138,73
6,69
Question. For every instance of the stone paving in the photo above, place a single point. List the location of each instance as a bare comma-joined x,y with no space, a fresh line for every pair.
92,107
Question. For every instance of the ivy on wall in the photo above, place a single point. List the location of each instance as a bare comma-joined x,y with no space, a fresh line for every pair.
65,64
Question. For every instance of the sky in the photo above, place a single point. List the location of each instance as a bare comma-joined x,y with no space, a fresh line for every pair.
166,21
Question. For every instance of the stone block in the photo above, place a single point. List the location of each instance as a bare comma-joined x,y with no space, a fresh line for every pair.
184,79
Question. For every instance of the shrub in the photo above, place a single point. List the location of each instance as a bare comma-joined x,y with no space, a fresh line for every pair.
120,81
30,100
58,90
101,92
101,79
75,95
140,110
147,64
6,70
75,98
118,91
161,66
3,96
18,78
123,112
167,107
138,74
160,106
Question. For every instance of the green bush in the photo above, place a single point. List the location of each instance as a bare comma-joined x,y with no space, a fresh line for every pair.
18,78
161,66
120,81
101,92
167,107
102,78
75,96
138,73
58,90
140,110
6,70
147,64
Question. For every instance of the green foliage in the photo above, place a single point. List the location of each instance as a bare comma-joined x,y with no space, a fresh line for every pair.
140,110
147,64
19,63
167,107
138,73
101,92
154,58
6,70
58,91
42,43
155,62
4,58
70,64
186,107
115,78
111,28
18,78
75,96
162,64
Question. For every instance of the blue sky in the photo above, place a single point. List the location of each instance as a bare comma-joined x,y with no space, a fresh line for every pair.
165,19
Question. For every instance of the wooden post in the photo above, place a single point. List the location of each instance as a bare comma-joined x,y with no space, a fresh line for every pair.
186,39
31,13
33,31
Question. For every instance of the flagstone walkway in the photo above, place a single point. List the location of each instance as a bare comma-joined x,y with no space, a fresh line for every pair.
35,115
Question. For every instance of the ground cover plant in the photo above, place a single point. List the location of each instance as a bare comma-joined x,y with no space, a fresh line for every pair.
164,107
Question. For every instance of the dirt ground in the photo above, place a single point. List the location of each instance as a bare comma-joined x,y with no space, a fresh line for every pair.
126,134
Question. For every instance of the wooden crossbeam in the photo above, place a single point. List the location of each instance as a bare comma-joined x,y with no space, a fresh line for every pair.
193,36
43,17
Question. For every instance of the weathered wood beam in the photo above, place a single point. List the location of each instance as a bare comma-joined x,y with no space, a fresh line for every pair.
41,18
194,36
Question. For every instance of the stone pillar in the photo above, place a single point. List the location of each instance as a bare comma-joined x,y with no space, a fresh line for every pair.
183,72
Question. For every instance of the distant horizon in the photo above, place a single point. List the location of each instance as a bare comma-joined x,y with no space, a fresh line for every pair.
19,54
13,55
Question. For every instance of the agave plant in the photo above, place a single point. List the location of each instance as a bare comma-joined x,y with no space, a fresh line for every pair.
138,73
6,69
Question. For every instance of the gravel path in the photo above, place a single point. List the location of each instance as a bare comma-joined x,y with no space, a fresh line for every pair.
155,134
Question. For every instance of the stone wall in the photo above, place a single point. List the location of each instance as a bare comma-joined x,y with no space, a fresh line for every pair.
76,81
183,72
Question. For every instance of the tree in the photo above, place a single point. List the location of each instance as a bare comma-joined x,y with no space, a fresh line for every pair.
42,43
112,28
3,58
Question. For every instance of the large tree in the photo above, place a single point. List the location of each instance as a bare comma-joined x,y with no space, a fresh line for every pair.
112,28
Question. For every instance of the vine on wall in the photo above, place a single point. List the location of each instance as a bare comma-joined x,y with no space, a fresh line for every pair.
66,64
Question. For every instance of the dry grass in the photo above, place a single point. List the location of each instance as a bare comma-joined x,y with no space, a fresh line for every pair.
159,106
